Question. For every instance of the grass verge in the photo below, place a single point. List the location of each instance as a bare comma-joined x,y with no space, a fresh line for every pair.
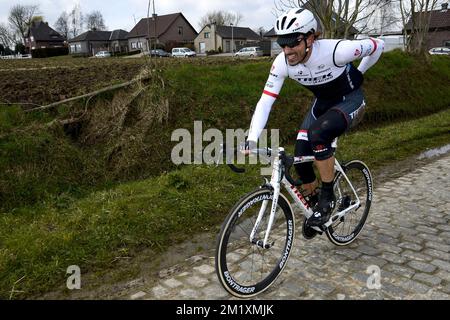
38,243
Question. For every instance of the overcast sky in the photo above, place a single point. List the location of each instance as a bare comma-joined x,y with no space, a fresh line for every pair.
121,14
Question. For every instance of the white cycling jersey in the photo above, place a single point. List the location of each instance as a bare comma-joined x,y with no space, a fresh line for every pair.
328,73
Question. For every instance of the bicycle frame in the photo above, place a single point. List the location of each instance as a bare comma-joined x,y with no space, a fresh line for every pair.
279,180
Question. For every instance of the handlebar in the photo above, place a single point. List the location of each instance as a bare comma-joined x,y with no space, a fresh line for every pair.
265,152
288,161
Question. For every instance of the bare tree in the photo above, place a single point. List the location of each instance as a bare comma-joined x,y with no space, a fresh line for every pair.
7,36
221,18
76,21
20,18
416,15
94,21
260,31
62,24
386,17
336,17
389,15
37,19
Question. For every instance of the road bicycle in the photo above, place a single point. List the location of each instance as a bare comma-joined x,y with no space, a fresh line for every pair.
257,236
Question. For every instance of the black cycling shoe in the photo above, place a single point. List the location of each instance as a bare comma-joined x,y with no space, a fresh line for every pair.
308,232
322,211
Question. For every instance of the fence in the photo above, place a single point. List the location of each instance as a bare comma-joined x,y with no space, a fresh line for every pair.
17,56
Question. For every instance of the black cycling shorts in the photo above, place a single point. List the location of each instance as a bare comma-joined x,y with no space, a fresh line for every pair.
325,121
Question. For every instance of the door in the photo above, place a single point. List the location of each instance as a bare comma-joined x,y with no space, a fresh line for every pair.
227,46
202,47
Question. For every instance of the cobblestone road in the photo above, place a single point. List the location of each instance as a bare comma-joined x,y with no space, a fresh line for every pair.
407,236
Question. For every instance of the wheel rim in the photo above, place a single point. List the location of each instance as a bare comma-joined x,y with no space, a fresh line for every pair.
346,229
246,267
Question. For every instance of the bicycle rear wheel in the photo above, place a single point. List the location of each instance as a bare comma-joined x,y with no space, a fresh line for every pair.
244,267
346,229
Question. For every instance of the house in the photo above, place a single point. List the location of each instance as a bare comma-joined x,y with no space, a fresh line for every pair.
119,41
93,41
439,29
166,30
223,38
41,36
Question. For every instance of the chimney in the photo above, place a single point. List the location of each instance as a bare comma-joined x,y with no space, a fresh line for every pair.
154,15
444,7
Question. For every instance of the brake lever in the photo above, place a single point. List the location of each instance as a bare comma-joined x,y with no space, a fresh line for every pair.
232,166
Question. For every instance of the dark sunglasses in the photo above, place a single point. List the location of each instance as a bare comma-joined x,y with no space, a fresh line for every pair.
292,44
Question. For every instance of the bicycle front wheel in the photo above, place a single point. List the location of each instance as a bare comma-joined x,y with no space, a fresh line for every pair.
346,229
244,267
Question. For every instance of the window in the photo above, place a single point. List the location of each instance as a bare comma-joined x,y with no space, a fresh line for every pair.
180,31
447,43
73,48
133,45
139,45
207,35
32,38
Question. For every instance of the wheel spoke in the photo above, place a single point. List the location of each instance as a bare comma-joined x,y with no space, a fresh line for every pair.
248,263
353,220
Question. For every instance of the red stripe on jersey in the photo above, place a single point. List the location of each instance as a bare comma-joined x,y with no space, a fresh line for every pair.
304,131
375,46
270,94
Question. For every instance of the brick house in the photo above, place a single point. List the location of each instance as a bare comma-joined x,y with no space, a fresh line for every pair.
170,29
226,38
439,30
40,36
93,41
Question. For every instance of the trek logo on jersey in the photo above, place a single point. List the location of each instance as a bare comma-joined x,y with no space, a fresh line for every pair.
316,80
357,53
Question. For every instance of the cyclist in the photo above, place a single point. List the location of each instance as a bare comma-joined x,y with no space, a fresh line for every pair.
325,68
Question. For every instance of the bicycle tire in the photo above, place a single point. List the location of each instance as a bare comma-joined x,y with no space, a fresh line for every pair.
364,188
232,257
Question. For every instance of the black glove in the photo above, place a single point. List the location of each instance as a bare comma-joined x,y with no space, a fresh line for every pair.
248,145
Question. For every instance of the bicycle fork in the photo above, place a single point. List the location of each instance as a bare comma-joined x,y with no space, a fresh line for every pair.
275,183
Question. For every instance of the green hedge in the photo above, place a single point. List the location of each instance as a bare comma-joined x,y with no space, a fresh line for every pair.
49,52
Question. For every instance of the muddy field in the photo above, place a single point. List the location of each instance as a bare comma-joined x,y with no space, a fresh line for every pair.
42,81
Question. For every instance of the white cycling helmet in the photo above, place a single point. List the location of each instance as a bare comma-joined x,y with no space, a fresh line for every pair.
297,20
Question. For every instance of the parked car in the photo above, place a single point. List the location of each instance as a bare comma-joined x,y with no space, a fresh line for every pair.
159,53
440,50
183,52
249,52
103,54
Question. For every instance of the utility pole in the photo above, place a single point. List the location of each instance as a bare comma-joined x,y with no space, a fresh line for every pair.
232,39
154,18
148,29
